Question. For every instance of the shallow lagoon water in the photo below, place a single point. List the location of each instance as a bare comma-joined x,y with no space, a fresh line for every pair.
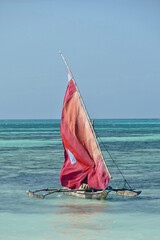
31,156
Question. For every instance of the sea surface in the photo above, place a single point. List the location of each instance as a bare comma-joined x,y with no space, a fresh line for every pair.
31,156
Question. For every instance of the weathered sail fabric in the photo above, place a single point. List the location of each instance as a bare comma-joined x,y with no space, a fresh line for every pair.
82,158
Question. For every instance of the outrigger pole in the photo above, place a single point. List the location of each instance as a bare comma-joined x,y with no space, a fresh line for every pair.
87,115
122,192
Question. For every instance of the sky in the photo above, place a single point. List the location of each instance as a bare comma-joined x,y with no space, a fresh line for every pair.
112,48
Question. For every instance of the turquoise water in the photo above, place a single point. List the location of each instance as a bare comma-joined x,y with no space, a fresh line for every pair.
31,156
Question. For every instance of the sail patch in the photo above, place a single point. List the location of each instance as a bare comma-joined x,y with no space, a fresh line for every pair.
69,77
72,158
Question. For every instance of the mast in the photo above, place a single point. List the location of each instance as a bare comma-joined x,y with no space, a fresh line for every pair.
87,115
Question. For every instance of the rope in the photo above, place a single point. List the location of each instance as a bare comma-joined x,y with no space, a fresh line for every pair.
125,180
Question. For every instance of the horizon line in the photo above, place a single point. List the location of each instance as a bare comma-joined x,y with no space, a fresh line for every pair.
49,119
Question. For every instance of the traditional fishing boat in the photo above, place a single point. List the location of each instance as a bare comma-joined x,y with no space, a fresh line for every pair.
84,167
84,173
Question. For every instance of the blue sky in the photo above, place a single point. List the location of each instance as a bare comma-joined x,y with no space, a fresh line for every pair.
112,48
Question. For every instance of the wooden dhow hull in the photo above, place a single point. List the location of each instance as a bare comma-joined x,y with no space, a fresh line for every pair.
99,195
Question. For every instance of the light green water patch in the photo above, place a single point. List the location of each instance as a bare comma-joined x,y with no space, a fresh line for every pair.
155,137
137,130
30,133
29,143
80,220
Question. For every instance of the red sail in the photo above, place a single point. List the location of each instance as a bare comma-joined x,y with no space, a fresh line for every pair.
83,162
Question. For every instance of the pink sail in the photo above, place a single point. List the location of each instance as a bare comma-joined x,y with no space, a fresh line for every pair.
83,162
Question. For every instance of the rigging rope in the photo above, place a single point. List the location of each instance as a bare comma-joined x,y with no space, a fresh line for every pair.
125,180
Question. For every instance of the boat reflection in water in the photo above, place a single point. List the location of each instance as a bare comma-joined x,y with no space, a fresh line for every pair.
82,218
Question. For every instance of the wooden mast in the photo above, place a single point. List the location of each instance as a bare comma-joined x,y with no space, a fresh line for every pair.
87,115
